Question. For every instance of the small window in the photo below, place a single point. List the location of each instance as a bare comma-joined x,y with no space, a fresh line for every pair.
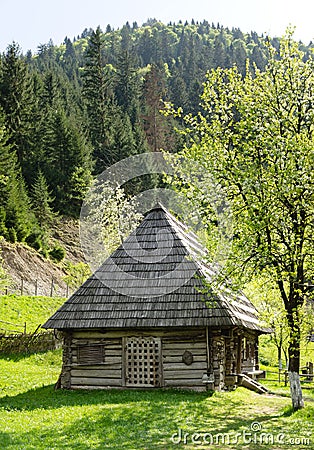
91,354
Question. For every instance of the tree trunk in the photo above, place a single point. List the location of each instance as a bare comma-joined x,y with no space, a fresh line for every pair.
296,391
294,343
294,359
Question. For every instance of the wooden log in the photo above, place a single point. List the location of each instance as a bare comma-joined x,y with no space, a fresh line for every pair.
103,366
96,373
112,360
190,334
181,366
173,375
296,391
173,359
185,345
310,372
84,381
187,383
178,352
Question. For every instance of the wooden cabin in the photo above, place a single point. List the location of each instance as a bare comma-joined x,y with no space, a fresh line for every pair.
149,318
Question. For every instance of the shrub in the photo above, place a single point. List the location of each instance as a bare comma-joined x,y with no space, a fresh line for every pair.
12,235
57,253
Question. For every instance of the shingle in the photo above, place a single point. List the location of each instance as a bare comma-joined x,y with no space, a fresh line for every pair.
155,278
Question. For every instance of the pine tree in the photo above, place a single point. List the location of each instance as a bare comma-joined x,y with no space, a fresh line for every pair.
42,200
16,218
15,99
68,162
127,86
157,129
20,220
98,96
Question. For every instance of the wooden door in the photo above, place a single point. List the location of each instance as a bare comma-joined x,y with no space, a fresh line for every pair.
142,362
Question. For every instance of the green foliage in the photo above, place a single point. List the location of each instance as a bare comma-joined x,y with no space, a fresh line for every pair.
15,99
41,202
76,274
67,149
57,253
256,137
17,221
5,279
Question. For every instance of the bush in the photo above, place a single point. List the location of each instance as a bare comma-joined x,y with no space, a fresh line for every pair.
57,253
12,235
34,241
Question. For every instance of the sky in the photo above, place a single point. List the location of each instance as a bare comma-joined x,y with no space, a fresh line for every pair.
34,22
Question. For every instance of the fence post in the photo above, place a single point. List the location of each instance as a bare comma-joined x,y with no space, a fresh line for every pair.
36,286
51,290
310,372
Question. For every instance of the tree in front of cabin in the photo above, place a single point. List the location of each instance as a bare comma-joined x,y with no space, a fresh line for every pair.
256,137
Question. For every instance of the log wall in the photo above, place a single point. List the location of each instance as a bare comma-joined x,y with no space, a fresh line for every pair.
176,372
218,361
106,374
187,357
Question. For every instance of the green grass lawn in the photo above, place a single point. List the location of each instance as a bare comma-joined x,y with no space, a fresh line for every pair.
18,309
35,416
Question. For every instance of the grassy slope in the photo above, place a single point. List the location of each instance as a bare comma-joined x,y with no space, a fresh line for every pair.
268,351
35,416
32,310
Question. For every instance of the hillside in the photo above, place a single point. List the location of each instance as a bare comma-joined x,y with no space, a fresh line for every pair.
69,112
23,262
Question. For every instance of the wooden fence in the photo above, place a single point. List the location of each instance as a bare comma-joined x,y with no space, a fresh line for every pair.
281,376
39,341
48,289
3,323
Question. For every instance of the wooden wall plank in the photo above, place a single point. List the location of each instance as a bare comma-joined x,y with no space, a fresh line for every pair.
81,381
188,383
194,375
96,373
180,366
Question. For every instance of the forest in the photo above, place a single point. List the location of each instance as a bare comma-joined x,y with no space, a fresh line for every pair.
68,112
238,103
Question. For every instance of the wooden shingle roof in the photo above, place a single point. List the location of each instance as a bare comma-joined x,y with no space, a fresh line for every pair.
155,279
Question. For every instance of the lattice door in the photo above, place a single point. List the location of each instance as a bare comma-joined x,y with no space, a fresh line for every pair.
142,361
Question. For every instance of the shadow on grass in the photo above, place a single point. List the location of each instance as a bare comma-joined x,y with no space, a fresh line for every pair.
47,397
124,419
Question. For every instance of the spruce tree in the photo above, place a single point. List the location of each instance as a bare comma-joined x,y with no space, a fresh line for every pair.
16,218
42,200
98,98
68,162
15,99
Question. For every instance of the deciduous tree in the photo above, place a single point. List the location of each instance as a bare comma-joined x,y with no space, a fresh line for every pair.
256,138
